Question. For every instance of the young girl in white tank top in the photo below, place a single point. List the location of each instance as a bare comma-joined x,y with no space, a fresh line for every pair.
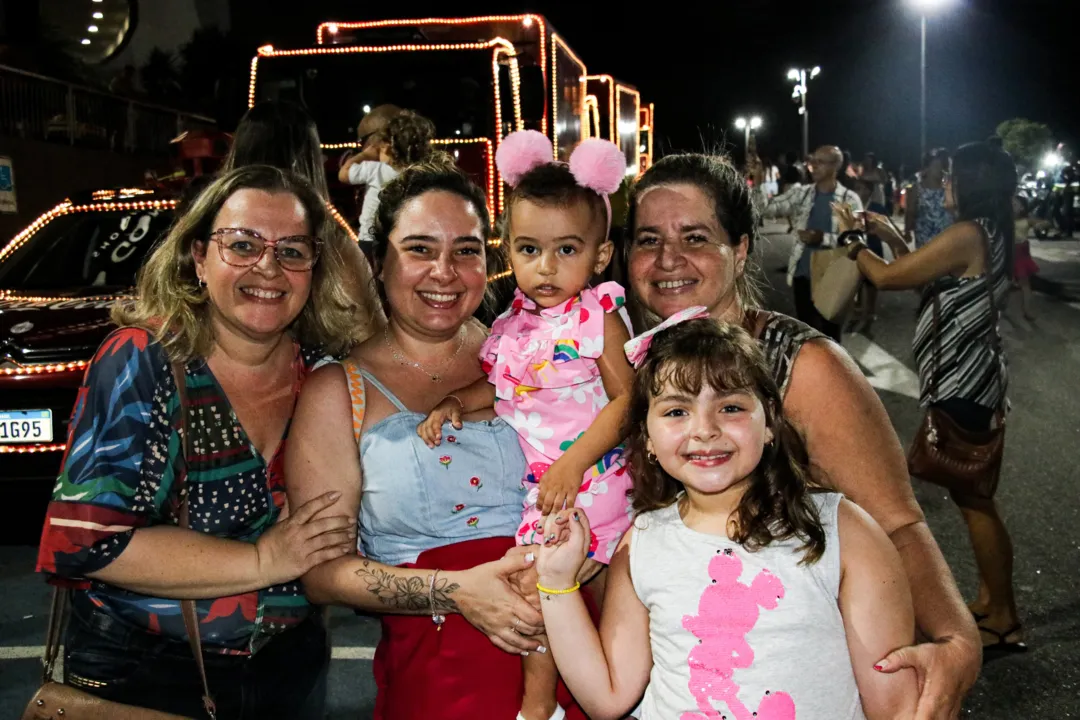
739,593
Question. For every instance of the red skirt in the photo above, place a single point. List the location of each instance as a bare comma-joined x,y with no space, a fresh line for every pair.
454,673
1024,265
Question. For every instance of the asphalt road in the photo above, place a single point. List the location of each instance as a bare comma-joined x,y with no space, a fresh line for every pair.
1038,496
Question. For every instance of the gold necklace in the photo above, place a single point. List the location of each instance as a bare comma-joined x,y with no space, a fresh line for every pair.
435,376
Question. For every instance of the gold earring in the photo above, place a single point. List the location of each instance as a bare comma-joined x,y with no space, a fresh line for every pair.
651,457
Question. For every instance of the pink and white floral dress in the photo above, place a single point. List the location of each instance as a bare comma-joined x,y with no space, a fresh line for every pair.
542,363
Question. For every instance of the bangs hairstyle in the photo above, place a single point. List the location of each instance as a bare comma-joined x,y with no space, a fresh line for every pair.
732,202
172,306
552,185
724,357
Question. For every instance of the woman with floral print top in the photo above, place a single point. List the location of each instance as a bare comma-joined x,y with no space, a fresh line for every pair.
248,275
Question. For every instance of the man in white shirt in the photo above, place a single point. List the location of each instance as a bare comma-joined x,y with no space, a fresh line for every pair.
811,208
365,168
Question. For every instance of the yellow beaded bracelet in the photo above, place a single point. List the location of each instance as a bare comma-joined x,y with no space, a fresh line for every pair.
567,591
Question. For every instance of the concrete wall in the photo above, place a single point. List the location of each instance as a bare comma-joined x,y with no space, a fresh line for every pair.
46,173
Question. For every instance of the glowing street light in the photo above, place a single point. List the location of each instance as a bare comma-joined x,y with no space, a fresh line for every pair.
801,76
747,125
1052,160
924,7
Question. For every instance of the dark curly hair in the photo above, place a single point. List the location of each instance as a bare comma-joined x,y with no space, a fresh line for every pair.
408,137
691,355
721,181
436,174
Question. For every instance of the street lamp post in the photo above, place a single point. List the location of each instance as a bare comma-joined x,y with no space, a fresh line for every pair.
925,6
922,90
800,76
747,125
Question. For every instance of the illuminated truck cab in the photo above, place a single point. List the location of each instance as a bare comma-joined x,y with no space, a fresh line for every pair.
477,79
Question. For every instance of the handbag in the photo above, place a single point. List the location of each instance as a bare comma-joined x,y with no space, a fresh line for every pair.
834,282
57,701
946,454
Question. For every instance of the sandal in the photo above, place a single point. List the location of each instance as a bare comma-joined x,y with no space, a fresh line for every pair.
1003,645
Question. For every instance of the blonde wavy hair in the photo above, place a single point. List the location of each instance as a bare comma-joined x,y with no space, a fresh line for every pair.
172,306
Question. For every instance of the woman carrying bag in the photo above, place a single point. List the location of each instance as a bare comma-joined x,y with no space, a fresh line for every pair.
248,278
963,376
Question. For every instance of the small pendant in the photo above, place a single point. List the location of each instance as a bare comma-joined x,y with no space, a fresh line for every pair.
435,378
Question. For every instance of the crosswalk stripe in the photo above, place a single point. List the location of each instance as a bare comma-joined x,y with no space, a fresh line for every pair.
30,652
883,371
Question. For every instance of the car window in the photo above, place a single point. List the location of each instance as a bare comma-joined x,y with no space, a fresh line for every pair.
86,250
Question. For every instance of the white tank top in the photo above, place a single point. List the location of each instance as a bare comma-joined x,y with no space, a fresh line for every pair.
743,634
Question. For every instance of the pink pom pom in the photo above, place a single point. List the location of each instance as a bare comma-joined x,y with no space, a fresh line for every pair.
520,152
598,165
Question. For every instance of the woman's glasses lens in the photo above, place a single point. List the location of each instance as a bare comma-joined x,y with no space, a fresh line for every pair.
292,253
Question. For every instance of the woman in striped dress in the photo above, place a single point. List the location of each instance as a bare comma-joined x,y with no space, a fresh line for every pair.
960,268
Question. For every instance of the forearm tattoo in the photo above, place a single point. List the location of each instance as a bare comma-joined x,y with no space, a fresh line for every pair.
408,592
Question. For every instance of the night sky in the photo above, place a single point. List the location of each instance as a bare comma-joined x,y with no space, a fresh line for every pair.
703,64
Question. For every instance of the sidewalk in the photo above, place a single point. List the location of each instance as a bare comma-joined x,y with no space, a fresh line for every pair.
1059,268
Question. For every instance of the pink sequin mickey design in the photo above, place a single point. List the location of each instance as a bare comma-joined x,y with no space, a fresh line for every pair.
727,611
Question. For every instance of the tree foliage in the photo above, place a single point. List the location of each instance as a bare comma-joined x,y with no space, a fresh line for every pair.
1026,140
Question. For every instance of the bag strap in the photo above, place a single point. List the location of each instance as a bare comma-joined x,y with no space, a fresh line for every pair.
355,378
54,631
61,596
995,315
936,352
187,607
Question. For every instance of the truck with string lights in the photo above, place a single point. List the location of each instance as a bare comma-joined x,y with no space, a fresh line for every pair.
477,78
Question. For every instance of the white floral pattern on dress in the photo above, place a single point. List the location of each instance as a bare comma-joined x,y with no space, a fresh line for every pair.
548,387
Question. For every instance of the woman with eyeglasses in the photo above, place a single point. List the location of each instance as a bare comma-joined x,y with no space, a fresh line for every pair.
283,135
248,276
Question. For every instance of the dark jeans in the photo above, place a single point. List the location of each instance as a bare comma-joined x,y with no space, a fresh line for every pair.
805,310
120,662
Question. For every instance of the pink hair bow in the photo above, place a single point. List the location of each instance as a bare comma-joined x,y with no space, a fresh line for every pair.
637,348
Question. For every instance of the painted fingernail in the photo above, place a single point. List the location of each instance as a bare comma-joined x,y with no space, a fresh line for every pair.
524,654
530,557
576,518
880,667
541,649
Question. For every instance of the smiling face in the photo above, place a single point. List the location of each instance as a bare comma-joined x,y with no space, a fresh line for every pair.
434,272
710,442
681,255
556,249
260,301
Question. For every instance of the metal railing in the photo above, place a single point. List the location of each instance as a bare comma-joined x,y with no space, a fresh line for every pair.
36,107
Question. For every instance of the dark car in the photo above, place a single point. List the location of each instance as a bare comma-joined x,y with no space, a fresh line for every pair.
58,280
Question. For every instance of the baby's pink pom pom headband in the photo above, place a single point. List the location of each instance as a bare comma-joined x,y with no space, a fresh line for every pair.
598,165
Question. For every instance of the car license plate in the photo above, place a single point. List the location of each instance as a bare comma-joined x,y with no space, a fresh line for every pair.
26,426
